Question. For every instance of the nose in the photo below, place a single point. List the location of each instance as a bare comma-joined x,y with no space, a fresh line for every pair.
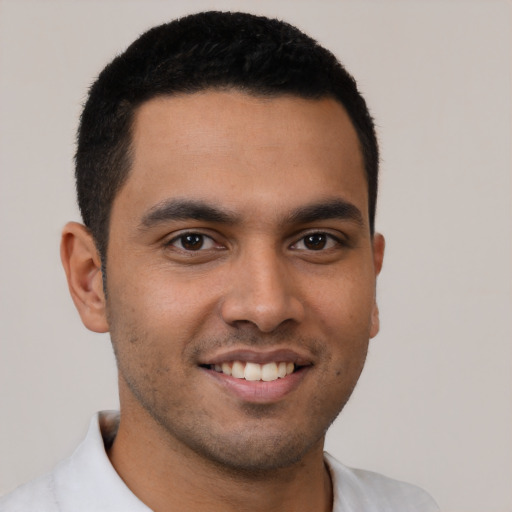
262,292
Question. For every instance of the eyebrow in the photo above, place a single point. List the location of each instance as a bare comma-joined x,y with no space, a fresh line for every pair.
185,209
330,209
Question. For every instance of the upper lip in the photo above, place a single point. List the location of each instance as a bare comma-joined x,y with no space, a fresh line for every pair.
258,356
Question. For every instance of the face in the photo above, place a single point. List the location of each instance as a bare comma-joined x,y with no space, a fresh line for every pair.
241,274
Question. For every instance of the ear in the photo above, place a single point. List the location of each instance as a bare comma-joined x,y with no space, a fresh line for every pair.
82,265
379,245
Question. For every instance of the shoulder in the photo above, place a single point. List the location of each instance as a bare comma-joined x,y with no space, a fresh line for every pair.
36,495
83,482
52,491
366,491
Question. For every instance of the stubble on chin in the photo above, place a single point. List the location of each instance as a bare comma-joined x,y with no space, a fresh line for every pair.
261,441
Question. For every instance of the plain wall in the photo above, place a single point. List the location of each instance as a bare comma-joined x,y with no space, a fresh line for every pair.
434,404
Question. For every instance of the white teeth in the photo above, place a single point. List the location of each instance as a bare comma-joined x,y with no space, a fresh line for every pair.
226,368
269,372
254,372
237,370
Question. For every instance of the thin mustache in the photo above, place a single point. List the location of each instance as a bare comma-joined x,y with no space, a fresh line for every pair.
253,340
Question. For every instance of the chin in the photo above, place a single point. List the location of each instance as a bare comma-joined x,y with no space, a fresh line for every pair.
250,455
253,448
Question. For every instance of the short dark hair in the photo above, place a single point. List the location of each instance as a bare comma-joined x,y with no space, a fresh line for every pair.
208,50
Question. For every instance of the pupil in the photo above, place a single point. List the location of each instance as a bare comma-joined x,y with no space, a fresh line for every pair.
192,242
315,242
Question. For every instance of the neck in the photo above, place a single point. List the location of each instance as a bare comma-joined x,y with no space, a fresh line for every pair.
168,476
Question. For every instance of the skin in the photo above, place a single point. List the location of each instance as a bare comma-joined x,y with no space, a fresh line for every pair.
271,275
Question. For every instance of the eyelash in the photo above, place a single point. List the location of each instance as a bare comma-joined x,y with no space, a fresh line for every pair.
328,237
181,237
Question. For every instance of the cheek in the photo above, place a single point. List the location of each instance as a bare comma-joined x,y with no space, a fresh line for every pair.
345,317
345,305
158,303
148,357
153,323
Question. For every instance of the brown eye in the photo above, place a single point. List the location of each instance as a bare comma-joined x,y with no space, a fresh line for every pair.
318,241
315,242
192,242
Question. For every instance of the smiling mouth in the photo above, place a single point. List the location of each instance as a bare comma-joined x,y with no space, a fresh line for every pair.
250,371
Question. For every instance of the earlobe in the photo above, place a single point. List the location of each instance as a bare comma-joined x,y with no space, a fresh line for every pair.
82,265
375,321
378,257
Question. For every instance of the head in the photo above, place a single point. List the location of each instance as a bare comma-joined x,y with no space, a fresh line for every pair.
210,50
227,170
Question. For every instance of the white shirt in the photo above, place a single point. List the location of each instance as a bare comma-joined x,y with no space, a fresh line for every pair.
87,482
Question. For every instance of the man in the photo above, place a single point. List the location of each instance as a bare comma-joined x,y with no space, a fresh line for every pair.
227,178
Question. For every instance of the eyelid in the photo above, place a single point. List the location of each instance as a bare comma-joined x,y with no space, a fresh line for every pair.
339,238
175,237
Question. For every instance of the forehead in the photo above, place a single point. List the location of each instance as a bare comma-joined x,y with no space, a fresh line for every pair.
212,118
241,148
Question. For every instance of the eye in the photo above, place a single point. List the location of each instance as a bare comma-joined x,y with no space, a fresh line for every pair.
192,242
317,242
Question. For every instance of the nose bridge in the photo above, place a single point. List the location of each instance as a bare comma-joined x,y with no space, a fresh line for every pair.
262,291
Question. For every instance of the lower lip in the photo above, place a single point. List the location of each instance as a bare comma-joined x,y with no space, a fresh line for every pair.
260,392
